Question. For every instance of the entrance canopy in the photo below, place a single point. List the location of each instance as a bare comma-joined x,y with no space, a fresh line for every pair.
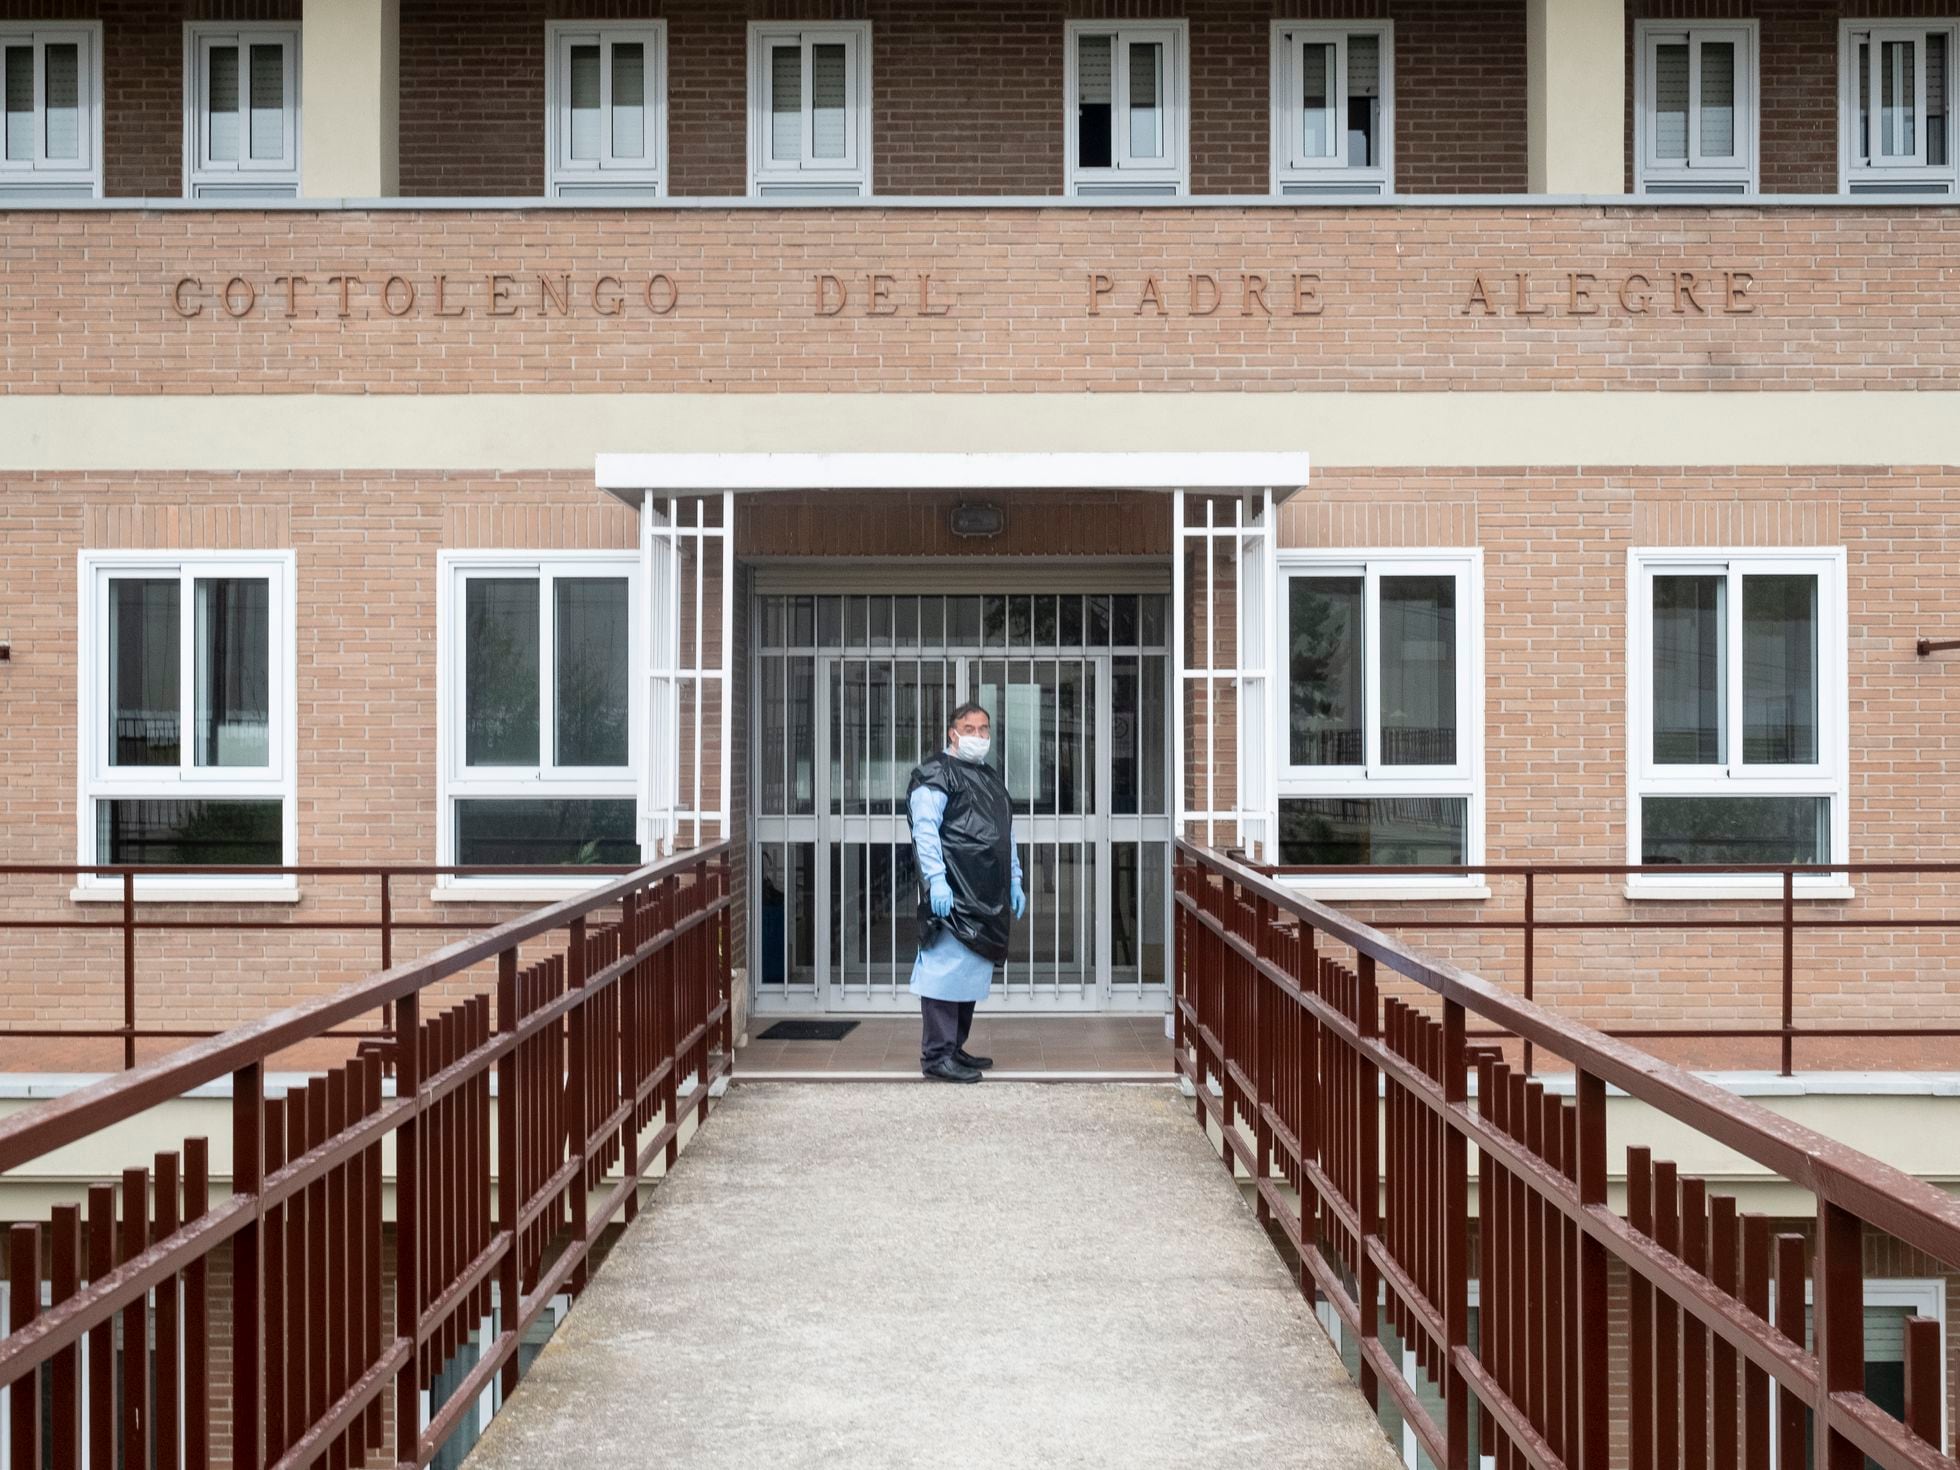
634,476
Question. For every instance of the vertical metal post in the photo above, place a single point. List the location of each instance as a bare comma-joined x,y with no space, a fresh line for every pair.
129,968
24,1292
576,1074
1789,969
1530,952
1456,1237
247,1283
1839,1278
508,1153
1367,1171
1594,1429
408,1225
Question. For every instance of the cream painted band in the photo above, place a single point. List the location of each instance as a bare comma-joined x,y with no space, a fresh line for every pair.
563,431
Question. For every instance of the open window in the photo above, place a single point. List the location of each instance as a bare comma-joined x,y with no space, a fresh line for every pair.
606,109
51,76
1128,87
1895,100
241,111
1696,115
1738,702
810,109
1333,101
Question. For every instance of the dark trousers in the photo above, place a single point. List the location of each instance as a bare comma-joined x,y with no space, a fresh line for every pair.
947,1023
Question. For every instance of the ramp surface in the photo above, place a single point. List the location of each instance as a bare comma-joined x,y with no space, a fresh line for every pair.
1008,1274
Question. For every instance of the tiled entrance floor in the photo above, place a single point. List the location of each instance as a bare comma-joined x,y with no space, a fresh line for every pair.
1044,1045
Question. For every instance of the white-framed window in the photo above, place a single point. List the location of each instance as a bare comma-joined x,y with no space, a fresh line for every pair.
187,717
539,710
241,110
1888,1302
1738,705
1695,120
1381,735
810,108
1896,98
606,108
1128,90
51,76
1333,107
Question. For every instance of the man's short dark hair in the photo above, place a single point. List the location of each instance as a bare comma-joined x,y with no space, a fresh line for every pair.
969,708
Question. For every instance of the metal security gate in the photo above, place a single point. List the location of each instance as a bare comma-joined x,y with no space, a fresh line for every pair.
852,691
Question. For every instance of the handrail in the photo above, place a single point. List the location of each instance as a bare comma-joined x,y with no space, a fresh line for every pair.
602,1041
1363,1103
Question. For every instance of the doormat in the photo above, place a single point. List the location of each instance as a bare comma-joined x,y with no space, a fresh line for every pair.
808,1031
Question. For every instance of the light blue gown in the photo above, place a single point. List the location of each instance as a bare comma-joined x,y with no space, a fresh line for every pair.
946,969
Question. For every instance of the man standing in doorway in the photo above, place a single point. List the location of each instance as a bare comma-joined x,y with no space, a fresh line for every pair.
963,840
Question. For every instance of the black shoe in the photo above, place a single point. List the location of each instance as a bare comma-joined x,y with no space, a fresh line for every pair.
966,1059
948,1070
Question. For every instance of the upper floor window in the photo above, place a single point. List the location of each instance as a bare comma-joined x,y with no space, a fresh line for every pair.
1896,104
241,111
53,81
187,698
810,109
539,710
1333,97
1127,90
1696,114
606,109
1382,756
1739,701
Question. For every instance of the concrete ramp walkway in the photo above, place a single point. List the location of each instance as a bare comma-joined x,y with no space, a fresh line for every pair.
873,1275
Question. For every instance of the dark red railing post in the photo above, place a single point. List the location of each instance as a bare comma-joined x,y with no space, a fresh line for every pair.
1789,1021
1791,1452
579,1131
408,1225
1839,1276
1367,1147
1923,1369
1456,1238
197,1313
1594,1431
65,1279
387,945
129,968
1756,1268
1530,953
509,1155
1264,1022
24,1295
248,1178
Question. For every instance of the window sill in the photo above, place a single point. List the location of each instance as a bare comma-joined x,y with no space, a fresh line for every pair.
192,893
1687,890
533,894
1388,891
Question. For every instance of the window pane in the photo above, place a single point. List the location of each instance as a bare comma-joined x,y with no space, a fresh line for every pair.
179,832
1863,82
20,103
1690,673
585,102
1403,830
501,671
223,104
1095,145
1939,111
1779,670
1898,87
233,653
1735,829
145,661
1671,100
1418,689
591,671
786,102
269,102
545,833
829,91
1718,62
1364,101
629,97
1317,99
1324,633
1146,99
63,90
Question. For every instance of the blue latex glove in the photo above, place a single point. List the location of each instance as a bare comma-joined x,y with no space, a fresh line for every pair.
1018,899
941,896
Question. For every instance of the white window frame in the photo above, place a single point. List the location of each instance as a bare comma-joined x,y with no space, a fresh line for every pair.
205,177
1829,776
1371,779
806,174
1924,1296
25,179
1696,175
1292,174
457,780
565,176
101,781
1916,175
1124,177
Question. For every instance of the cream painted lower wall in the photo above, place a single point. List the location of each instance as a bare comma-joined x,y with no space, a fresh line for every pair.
488,431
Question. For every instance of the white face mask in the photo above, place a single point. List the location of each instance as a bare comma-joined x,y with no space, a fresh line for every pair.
972,747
